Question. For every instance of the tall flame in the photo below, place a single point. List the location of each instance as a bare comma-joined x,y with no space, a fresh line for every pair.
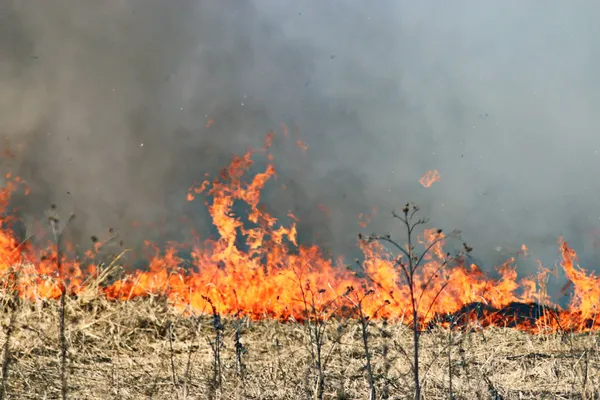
256,267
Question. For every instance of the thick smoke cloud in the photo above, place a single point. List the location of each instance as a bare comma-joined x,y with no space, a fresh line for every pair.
501,98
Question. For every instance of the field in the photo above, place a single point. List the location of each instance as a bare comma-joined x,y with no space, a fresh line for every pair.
83,328
144,349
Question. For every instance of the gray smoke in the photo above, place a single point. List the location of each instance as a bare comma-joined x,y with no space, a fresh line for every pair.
110,101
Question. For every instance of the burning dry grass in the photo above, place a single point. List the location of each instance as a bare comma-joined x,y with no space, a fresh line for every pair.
132,336
144,349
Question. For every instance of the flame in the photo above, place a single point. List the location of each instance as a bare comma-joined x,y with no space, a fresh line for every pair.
430,178
302,145
256,267
365,219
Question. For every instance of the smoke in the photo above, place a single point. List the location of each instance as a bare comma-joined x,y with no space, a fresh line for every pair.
111,100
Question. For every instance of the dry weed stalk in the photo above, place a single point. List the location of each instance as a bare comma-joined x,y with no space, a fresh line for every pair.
170,332
188,366
385,334
410,263
340,329
13,283
315,322
13,304
216,381
58,233
240,350
449,350
365,321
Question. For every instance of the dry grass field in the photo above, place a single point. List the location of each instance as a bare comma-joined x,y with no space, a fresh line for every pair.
143,349
110,336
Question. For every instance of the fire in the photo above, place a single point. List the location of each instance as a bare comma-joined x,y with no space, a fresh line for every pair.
586,298
430,178
257,267
302,145
365,219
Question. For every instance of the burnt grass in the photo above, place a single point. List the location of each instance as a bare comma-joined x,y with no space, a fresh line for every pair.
513,315
145,349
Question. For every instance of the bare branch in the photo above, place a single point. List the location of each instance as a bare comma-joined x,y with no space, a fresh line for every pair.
435,299
436,241
394,243
433,275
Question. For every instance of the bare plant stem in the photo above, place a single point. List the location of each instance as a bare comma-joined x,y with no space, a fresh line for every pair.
216,345
365,321
188,367
409,263
386,362
450,390
365,339
62,307
186,374
240,349
316,330
172,354
315,317
6,355
63,345
315,337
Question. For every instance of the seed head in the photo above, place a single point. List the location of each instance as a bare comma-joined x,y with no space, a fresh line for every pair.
406,208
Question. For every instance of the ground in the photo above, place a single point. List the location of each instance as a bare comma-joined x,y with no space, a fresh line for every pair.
144,349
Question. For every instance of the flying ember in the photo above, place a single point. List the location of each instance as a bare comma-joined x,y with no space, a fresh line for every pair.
430,178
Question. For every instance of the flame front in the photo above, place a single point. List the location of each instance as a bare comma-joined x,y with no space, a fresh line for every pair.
269,275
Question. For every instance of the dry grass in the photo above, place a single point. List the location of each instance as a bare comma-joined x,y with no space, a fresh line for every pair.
122,350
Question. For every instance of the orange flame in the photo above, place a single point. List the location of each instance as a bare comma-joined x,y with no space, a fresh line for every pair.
365,219
430,178
270,275
302,145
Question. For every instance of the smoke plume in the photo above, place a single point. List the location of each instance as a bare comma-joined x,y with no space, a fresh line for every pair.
110,101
